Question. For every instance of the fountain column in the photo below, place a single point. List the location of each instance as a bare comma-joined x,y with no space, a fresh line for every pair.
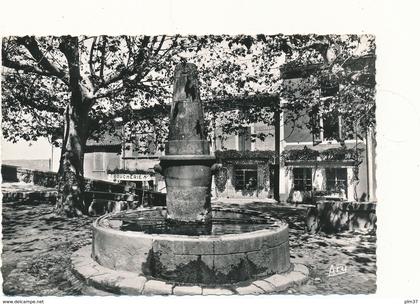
187,163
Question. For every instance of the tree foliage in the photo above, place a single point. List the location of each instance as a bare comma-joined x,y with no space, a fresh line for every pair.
125,73
345,62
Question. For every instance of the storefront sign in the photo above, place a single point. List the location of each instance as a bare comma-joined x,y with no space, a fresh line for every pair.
132,177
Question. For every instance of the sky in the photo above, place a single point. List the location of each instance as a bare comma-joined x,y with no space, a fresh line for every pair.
40,149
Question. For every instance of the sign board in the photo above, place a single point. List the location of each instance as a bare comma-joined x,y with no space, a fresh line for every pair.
132,177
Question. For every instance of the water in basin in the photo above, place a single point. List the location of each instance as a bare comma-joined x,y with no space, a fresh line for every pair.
155,222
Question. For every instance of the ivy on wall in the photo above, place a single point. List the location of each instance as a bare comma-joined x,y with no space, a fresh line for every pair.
245,155
221,178
331,154
300,154
230,158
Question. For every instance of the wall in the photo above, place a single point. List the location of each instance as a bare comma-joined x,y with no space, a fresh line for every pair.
356,190
18,174
293,134
111,161
139,164
268,142
230,140
228,143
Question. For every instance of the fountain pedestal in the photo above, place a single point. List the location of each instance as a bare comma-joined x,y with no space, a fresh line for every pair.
187,163
187,186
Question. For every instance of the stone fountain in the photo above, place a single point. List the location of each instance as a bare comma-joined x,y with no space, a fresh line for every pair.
188,247
187,165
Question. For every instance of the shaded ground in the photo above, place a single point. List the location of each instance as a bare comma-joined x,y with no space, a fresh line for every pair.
37,248
355,250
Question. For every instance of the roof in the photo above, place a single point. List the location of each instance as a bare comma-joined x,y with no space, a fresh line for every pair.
106,139
106,143
324,146
290,71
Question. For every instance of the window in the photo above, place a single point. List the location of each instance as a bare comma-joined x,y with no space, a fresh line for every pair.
317,134
329,87
302,179
98,161
336,179
244,139
327,127
246,177
331,126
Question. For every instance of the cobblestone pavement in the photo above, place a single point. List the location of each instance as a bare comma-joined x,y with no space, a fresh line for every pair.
37,247
355,250
36,250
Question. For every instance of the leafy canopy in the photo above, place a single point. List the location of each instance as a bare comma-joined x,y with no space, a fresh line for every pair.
129,79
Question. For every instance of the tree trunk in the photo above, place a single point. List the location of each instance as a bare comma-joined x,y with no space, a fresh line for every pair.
71,183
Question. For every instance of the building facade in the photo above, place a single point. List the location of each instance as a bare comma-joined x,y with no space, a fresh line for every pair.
325,168
290,165
293,163
322,157
247,163
114,160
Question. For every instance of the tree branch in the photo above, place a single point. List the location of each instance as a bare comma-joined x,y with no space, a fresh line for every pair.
69,46
91,68
130,51
160,45
130,70
32,46
6,62
101,70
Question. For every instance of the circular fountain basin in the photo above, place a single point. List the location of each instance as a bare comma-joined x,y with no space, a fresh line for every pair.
234,246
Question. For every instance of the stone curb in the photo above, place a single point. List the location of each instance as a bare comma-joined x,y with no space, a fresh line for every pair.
129,283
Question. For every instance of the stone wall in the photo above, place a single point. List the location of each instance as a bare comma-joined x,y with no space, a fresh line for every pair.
17,174
331,217
49,179
41,178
